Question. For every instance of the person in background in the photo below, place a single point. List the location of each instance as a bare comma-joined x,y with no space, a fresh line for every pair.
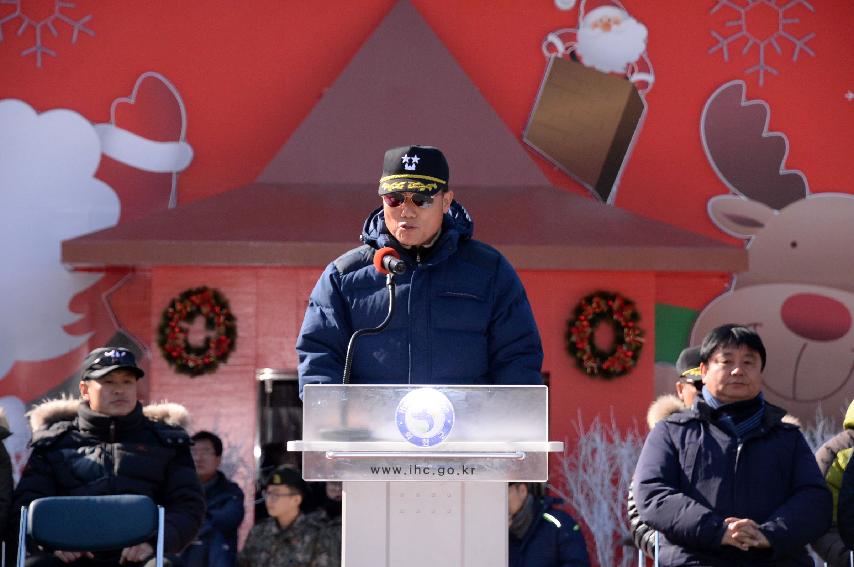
216,543
107,443
6,479
690,382
834,459
728,481
289,537
688,385
331,505
542,535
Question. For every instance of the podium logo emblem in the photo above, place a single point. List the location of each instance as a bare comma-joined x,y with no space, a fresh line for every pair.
425,417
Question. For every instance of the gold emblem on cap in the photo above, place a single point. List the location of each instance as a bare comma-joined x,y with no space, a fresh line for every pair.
408,176
408,186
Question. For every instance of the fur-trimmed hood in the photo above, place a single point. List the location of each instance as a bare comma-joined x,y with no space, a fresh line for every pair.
663,406
65,409
668,404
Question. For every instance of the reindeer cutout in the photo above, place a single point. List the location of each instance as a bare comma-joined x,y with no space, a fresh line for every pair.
798,292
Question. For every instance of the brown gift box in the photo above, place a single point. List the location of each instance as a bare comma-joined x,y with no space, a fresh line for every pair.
584,122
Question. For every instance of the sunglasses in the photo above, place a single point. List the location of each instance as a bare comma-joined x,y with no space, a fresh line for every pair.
698,384
419,200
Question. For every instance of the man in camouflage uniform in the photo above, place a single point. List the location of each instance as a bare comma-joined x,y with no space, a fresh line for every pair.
289,538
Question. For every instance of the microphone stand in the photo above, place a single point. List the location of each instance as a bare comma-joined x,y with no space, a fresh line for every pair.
353,434
348,363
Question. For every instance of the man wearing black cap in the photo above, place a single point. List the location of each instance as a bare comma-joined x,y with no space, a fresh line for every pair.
107,443
289,537
688,385
462,315
690,381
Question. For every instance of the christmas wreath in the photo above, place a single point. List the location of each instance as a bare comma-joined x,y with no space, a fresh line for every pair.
620,312
172,334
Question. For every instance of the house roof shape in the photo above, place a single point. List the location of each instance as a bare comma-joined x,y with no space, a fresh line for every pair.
309,203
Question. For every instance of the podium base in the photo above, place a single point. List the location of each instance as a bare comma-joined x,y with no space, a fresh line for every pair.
424,524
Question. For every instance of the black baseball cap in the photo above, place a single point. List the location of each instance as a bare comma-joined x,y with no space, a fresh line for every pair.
285,475
102,361
688,364
414,169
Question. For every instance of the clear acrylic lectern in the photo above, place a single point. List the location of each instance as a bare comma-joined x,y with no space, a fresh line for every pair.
425,468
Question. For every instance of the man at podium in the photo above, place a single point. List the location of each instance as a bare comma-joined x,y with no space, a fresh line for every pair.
462,315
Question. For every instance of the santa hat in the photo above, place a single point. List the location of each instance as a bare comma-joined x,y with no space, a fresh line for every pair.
592,10
130,148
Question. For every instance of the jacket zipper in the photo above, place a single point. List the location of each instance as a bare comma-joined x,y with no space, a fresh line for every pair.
113,454
409,318
735,472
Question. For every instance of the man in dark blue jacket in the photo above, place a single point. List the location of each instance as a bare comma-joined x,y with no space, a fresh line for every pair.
727,482
542,535
462,315
216,543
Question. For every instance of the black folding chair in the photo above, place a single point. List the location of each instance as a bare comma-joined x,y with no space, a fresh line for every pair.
90,523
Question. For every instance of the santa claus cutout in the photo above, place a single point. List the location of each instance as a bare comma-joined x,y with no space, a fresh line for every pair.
607,39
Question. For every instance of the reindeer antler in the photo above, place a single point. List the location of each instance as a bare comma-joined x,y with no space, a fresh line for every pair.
748,158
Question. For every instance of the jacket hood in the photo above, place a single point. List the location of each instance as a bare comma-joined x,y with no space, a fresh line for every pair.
848,422
663,406
456,224
65,409
792,420
773,414
169,413
4,424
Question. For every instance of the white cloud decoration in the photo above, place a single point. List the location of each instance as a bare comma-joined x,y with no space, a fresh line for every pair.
48,193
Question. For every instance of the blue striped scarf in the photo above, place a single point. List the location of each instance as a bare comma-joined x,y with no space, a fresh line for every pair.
740,417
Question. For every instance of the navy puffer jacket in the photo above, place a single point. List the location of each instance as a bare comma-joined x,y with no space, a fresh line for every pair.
553,540
693,473
462,315
216,542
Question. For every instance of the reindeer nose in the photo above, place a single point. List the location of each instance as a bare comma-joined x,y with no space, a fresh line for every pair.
816,317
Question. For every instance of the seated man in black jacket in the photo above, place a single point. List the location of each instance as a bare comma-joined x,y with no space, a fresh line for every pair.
106,443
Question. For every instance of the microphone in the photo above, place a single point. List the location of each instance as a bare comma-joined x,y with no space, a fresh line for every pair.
387,261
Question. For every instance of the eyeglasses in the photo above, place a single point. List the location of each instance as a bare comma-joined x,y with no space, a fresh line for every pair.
420,200
113,358
276,495
202,452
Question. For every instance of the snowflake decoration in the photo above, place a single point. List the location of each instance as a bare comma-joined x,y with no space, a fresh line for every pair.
744,15
48,22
